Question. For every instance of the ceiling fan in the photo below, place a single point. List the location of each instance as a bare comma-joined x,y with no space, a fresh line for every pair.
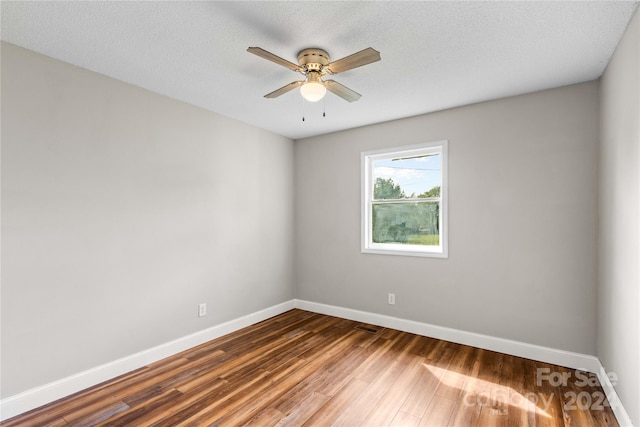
314,64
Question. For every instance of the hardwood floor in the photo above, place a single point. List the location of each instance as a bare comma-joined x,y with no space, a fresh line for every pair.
302,368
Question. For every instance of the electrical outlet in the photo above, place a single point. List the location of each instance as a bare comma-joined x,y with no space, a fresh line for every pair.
202,309
392,299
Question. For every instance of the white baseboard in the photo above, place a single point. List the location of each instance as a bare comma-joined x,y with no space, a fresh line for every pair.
31,399
614,400
47,393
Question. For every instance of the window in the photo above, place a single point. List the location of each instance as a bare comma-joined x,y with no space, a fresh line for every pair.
404,200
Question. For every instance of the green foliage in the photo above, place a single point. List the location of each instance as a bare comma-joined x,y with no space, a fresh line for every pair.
434,192
387,189
424,239
407,222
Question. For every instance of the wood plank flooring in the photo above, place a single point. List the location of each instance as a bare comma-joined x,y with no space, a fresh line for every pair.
307,369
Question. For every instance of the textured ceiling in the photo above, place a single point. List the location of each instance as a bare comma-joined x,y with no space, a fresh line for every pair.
435,55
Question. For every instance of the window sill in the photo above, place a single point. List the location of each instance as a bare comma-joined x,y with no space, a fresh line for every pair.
405,250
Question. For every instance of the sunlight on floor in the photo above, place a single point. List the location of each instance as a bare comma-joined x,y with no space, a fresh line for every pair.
485,393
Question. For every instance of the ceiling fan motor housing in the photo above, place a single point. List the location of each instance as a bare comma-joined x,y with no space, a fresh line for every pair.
313,59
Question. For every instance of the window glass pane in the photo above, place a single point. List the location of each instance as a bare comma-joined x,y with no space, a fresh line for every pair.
408,223
411,177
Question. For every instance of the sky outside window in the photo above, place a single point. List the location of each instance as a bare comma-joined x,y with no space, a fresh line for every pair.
415,175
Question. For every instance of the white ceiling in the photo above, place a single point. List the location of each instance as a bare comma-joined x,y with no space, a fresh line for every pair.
435,55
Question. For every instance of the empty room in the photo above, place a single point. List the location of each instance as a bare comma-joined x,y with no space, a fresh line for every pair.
319,213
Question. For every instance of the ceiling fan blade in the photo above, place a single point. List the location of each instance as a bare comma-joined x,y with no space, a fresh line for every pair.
341,90
358,59
284,89
274,58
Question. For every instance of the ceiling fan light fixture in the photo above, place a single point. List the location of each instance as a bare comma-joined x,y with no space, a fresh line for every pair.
313,90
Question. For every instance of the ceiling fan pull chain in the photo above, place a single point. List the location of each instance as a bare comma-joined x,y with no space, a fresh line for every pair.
302,109
324,107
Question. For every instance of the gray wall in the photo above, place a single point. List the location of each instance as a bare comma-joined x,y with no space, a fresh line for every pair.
619,296
121,211
522,221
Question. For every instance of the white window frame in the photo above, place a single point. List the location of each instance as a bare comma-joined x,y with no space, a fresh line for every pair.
367,159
